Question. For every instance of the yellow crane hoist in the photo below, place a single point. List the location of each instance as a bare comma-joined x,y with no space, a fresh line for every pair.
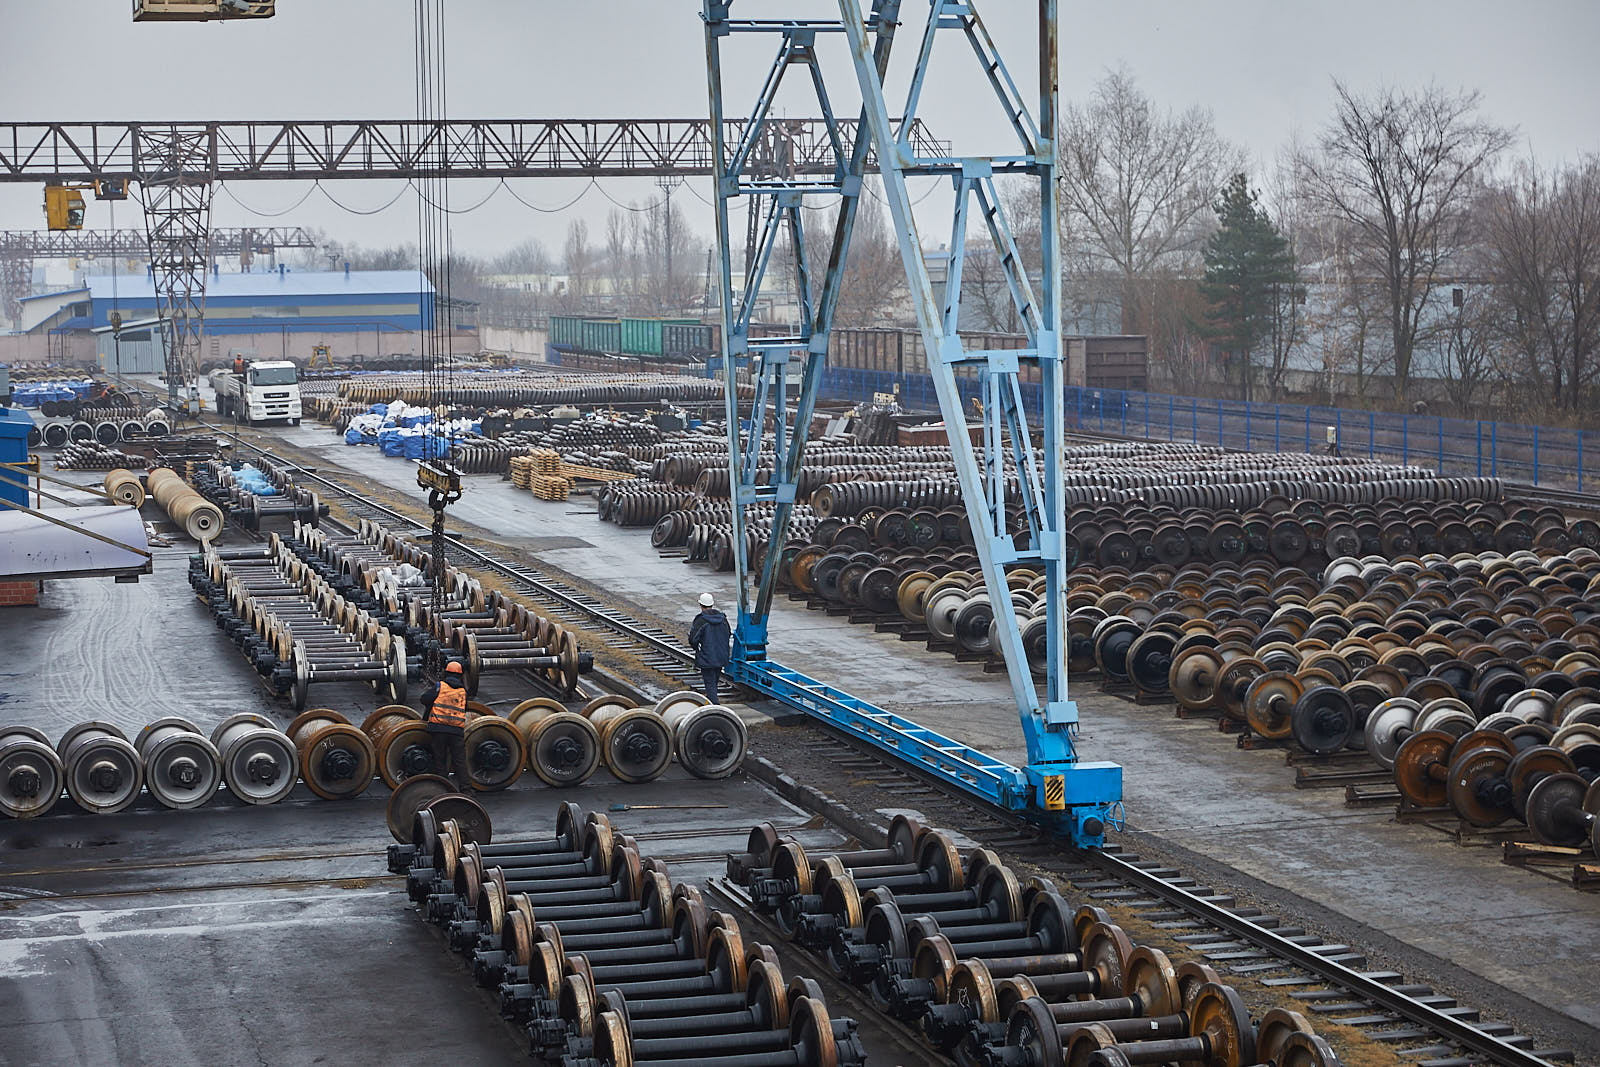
63,203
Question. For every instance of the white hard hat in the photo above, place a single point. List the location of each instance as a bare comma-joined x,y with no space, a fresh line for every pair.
706,600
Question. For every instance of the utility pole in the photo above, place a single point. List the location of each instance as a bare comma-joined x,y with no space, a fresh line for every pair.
667,184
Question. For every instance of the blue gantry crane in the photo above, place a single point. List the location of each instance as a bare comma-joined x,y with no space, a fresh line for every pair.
1016,512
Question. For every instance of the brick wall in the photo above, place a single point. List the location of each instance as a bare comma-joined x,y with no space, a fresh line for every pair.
19,594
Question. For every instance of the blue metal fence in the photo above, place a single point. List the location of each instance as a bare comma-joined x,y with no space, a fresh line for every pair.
1534,455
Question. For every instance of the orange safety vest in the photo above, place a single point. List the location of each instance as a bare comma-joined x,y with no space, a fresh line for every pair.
449,707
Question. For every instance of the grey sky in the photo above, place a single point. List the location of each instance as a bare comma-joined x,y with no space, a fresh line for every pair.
1264,69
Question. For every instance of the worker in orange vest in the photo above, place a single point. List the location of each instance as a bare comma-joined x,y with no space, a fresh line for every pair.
445,707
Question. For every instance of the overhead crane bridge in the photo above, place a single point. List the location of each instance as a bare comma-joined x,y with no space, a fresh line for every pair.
776,163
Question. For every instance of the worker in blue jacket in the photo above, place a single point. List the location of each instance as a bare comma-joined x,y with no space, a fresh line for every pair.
712,641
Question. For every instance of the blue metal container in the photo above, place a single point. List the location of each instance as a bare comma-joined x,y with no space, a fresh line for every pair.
14,426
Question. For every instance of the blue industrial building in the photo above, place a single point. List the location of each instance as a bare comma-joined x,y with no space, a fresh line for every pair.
399,301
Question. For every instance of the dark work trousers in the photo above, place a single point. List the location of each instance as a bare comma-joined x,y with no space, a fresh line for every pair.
450,757
710,676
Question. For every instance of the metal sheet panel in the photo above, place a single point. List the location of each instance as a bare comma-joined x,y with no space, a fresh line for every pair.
31,547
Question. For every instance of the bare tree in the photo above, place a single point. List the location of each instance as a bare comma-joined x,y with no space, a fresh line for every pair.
1463,344
620,259
1543,254
872,291
579,260
1399,168
1137,184
528,257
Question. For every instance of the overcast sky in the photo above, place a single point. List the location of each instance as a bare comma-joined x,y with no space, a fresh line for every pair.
1263,67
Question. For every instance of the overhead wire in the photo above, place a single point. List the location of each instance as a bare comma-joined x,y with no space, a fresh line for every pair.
226,188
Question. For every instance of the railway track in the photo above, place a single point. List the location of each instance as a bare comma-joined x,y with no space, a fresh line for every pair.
1330,980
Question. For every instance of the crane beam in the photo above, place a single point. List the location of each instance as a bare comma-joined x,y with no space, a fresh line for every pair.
408,148
135,244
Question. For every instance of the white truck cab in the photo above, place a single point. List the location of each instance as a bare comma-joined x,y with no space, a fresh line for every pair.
265,391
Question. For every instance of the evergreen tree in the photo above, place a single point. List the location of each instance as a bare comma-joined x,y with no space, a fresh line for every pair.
1248,268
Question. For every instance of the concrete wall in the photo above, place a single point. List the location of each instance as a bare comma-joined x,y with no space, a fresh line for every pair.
62,348
523,345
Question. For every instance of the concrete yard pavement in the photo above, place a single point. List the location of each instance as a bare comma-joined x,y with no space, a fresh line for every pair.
1186,785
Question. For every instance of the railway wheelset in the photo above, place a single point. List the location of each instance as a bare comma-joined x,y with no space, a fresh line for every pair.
487,630
294,627
595,950
994,970
1312,663
219,482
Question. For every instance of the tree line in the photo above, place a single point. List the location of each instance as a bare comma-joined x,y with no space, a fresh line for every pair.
1399,255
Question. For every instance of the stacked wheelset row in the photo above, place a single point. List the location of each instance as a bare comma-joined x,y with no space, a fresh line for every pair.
600,955
1535,761
486,630
994,971
521,388
293,626
1313,663
218,482
565,747
103,772
944,595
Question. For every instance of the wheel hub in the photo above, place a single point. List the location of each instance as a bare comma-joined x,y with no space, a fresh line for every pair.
183,772
262,768
24,782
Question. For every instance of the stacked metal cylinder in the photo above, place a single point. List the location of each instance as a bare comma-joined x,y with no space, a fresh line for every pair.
105,426
594,949
995,971
104,773
191,512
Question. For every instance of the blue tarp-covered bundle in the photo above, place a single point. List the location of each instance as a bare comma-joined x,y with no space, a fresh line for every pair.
408,432
249,478
33,394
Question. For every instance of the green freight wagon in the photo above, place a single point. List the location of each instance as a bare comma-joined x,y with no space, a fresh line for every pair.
643,337
601,335
566,331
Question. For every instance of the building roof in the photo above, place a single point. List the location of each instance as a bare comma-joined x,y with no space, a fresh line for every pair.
272,285
57,295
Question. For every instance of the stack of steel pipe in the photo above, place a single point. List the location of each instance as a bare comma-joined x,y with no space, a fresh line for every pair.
92,456
593,947
193,513
997,972
293,625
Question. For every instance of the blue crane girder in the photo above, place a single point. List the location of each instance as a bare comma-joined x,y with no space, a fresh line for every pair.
1013,490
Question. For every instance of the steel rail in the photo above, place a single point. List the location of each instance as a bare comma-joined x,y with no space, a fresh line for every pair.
1446,1025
